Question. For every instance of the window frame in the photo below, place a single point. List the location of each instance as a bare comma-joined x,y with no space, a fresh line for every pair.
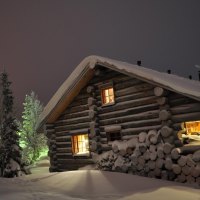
187,137
74,152
104,87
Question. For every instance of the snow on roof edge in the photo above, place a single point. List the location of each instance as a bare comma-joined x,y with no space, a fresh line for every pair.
87,63
175,83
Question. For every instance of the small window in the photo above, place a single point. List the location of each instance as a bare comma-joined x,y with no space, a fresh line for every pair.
113,136
80,144
107,95
190,131
193,128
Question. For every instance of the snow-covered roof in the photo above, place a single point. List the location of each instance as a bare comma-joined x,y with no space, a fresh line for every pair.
85,70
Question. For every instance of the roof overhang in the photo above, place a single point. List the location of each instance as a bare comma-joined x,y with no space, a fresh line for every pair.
85,71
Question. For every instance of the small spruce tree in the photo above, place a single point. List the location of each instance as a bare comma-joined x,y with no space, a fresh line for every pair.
33,143
10,151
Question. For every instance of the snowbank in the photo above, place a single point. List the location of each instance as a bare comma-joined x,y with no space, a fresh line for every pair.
93,184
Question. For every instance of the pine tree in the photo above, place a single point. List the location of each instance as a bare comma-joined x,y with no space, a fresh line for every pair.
33,143
10,152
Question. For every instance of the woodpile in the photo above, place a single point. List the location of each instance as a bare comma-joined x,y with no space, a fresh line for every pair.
148,155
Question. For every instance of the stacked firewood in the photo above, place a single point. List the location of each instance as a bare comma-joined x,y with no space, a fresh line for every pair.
148,155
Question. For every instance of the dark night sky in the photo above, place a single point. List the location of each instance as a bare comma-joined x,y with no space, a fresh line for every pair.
42,41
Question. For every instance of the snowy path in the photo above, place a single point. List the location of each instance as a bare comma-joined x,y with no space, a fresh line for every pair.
92,185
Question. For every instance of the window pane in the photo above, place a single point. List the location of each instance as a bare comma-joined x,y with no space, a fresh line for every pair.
111,91
106,93
80,144
107,96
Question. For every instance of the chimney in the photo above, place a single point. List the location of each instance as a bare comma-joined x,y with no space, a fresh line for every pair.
139,62
169,71
190,77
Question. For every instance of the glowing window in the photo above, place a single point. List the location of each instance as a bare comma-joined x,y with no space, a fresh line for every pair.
192,128
190,132
107,95
80,144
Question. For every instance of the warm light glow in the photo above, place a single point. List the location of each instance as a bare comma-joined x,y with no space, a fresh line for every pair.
107,95
193,127
80,144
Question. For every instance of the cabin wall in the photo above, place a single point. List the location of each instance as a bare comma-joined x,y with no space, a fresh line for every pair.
183,109
149,117
135,109
73,120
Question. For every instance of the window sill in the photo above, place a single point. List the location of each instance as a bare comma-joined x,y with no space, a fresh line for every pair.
83,154
107,104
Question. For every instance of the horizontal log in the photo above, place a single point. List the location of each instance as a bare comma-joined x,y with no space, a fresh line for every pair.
74,115
128,118
76,109
134,131
72,121
59,155
188,149
66,138
49,131
141,123
49,126
138,95
106,76
187,108
72,127
79,102
127,137
82,95
64,150
112,128
106,147
133,89
129,111
129,104
186,117
63,144
180,101
127,83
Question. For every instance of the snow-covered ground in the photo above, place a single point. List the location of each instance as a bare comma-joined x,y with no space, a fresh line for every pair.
92,184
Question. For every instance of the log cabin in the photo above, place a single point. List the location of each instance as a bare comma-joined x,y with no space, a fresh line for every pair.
133,119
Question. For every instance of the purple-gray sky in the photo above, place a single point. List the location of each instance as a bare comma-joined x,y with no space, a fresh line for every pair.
42,41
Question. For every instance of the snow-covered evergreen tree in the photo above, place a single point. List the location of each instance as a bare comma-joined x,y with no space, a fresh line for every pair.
10,152
33,143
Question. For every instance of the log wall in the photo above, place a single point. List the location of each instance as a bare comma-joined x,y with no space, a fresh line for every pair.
135,109
73,120
183,109
140,109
